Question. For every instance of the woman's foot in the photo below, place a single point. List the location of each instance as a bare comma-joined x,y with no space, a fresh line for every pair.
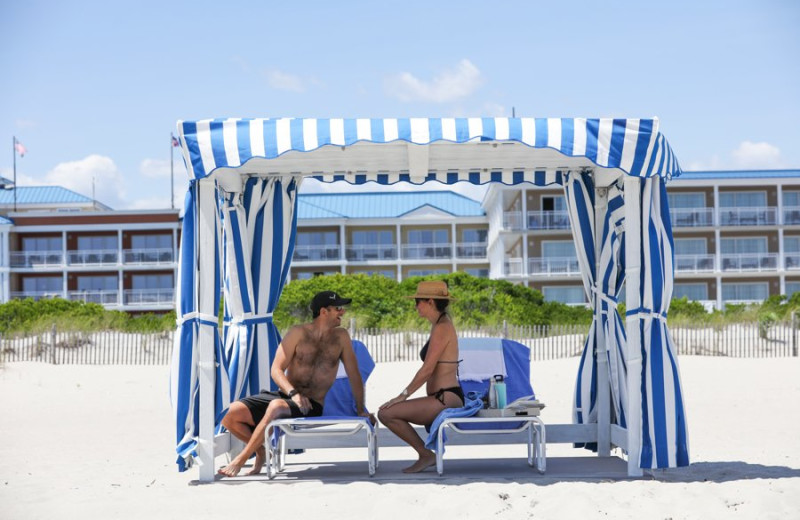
424,462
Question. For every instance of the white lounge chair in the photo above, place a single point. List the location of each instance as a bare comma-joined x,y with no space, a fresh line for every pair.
339,420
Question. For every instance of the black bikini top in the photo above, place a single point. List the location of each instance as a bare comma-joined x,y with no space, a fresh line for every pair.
424,352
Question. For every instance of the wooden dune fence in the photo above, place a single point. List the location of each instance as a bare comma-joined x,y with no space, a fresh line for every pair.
749,340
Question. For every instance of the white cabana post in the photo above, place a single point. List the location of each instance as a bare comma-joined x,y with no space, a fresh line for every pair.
595,159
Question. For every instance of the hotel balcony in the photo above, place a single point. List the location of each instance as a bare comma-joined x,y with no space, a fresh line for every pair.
791,215
694,263
512,220
148,256
369,253
471,250
316,253
749,262
35,295
512,267
101,297
427,251
148,297
692,217
554,266
36,259
89,257
791,261
764,216
548,220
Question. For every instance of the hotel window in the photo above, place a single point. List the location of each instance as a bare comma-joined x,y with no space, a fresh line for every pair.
473,236
427,244
41,244
754,291
692,291
151,281
554,203
161,241
791,288
317,245
373,238
97,283
791,199
570,294
429,236
744,246
791,244
98,243
426,272
43,284
478,272
743,199
690,246
686,200
559,249
386,273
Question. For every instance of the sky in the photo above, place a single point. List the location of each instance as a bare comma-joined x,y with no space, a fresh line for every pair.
93,89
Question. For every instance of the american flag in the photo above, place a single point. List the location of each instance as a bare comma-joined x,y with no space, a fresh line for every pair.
175,142
20,148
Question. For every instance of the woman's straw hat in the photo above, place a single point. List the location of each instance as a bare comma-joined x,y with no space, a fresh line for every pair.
434,289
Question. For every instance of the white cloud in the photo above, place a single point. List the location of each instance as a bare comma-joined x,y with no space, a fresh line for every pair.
154,168
448,85
491,109
281,80
78,176
757,156
747,156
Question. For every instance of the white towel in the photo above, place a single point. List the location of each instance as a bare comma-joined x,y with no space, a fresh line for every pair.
482,358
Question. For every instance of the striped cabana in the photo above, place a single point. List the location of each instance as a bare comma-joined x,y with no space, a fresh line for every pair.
242,241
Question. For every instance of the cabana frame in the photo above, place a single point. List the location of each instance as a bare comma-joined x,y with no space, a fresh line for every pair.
628,394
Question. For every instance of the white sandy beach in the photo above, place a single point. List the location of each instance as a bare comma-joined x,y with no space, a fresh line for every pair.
98,442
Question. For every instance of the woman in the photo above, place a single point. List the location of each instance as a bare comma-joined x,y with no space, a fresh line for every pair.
439,374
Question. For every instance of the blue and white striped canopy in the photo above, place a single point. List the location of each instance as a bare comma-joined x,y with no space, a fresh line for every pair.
632,146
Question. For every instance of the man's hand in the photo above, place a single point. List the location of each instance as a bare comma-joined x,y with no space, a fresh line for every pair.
302,402
372,419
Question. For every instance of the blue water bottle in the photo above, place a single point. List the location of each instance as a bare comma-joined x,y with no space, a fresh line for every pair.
500,390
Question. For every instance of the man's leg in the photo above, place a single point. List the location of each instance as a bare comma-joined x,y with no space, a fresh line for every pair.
276,410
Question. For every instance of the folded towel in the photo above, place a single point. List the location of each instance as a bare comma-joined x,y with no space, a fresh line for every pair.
472,404
482,358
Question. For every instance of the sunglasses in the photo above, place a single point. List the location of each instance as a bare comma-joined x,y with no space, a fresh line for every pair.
419,300
337,308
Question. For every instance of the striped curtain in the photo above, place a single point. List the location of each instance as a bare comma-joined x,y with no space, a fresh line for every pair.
602,282
259,236
664,432
197,306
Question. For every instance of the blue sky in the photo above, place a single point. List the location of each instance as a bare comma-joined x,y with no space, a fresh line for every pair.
93,89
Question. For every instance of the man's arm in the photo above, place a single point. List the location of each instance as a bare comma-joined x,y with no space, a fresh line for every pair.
283,356
353,375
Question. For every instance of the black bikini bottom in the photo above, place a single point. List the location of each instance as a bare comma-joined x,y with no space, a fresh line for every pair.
439,394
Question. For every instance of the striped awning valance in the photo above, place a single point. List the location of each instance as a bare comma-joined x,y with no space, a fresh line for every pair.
632,146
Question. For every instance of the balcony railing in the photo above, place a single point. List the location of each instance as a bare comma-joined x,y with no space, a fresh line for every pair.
553,266
101,297
427,251
512,220
148,256
36,295
97,257
694,263
750,262
548,220
143,297
471,249
36,259
764,216
368,253
791,215
791,261
692,217
512,267
316,253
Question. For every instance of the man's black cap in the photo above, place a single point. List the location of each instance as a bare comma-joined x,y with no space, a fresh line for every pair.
327,299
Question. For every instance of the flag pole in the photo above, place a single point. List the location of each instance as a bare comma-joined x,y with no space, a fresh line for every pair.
171,171
14,153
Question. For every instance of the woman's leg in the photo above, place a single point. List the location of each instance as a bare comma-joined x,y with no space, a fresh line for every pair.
418,411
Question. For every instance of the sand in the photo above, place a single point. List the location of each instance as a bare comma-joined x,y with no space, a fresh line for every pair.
98,442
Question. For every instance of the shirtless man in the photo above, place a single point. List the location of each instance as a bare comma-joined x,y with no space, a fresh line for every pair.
304,369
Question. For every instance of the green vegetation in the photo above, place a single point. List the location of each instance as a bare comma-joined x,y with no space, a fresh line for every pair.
30,316
382,303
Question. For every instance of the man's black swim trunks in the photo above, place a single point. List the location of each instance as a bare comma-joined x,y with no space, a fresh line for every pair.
257,404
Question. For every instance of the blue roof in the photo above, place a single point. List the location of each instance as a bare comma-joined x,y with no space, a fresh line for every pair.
383,204
42,195
4,221
738,174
